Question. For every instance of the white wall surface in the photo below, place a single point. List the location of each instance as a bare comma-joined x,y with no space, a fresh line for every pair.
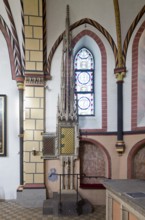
3,14
52,91
9,165
127,86
128,11
101,11
16,12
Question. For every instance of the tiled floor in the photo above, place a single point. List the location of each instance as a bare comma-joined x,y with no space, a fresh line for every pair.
10,210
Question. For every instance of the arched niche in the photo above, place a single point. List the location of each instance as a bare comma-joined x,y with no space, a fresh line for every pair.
93,42
90,40
94,163
136,161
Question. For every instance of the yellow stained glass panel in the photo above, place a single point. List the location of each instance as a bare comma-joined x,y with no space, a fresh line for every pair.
67,140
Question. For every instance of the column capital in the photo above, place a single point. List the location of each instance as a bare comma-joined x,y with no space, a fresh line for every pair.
120,147
120,73
20,85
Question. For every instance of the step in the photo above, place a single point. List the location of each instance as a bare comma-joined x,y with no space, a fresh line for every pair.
69,205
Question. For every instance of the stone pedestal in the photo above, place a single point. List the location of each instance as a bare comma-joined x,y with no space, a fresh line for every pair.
31,197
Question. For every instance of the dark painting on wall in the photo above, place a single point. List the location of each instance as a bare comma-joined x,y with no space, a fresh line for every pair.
2,125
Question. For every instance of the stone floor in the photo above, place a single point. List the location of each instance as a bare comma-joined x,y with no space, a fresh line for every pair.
10,210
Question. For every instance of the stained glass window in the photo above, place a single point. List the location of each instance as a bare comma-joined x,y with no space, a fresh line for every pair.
84,82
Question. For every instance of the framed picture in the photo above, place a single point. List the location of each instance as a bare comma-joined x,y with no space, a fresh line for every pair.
2,125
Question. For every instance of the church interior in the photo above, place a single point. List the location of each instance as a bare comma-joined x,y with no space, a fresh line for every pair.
73,74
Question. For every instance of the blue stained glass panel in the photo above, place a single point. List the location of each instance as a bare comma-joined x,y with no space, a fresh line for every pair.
84,81
84,60
85,103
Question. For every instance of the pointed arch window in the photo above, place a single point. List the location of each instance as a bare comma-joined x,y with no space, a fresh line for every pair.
84,82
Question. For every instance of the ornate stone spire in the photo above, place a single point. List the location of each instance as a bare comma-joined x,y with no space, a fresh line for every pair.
66,106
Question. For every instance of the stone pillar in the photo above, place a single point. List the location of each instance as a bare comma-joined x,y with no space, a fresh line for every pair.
34,92
20,85
120,74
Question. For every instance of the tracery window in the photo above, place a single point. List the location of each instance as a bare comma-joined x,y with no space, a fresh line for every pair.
84,82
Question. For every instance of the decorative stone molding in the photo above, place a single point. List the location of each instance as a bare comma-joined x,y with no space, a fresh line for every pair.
34,81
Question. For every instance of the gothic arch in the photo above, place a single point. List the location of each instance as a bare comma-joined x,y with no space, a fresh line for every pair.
75,25
137,148
104,70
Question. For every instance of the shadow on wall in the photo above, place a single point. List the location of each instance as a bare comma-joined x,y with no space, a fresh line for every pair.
2,194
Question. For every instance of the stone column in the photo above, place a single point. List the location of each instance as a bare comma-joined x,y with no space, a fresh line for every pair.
21,128
120,71
120,145
34,95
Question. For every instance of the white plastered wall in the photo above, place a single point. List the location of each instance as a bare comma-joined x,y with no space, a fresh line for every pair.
128,11
9,165
127,85
101,11
141,80
52,91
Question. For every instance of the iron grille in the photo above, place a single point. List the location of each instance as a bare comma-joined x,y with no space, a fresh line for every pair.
48,145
